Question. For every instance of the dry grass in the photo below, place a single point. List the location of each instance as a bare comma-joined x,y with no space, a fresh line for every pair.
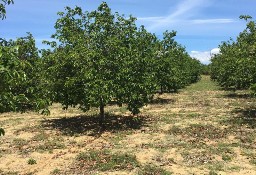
200,130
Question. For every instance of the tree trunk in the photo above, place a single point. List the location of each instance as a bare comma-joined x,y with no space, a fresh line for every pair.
102,115
161,90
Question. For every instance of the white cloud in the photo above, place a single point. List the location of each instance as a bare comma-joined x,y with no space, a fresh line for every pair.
162,19
183,11
184,19
203,56
212,21
215,51
151,18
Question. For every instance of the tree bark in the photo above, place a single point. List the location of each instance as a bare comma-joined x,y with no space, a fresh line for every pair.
161,89
102,115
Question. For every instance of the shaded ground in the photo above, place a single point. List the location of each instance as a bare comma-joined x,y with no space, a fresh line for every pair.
200,130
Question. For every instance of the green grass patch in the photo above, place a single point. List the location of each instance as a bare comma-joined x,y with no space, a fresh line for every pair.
234,168
40,136
8,172
31,161
199,131
103,160
153,170
19,143
12,121
216,166
250,154
205,84
49,146
55,171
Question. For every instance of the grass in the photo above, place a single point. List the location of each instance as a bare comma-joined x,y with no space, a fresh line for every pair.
12,121
55,171
8,172
104,160
50,145
199,158
153,170
20,143
200,130
42,136
216,166
204,85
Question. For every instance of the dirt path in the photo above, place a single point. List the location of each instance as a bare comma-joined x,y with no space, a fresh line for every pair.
200,130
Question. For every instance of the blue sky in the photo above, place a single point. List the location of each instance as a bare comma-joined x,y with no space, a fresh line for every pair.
201,25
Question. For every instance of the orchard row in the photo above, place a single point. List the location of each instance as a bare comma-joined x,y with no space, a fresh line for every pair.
97,58
235,66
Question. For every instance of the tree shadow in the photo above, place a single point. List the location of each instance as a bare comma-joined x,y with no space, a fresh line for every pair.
239,96
245,117
89,125
161,101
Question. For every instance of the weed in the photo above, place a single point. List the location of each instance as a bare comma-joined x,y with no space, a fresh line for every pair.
234,168
31,129
8,172
170,119
199,131
103,160
50,145
31,161
216,166
40,137
223,149
253,161
55,171
250,154
213,173
12,121
19,143
153,170
193,115
226,157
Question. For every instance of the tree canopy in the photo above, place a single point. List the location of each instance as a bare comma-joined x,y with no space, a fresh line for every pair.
20,83
3,4
235,66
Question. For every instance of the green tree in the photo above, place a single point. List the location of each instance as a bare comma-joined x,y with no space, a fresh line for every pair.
21,86
102,57
174,67
235,67
3,15
3,9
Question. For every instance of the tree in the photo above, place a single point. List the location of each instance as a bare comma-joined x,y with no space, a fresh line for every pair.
21,86
2,7
3,15
235,67
102,57
174,67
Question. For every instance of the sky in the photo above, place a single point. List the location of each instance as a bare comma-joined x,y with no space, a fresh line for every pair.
201,25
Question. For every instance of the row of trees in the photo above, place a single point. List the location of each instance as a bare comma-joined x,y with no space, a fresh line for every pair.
20,86
98,58
235,66
3,3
